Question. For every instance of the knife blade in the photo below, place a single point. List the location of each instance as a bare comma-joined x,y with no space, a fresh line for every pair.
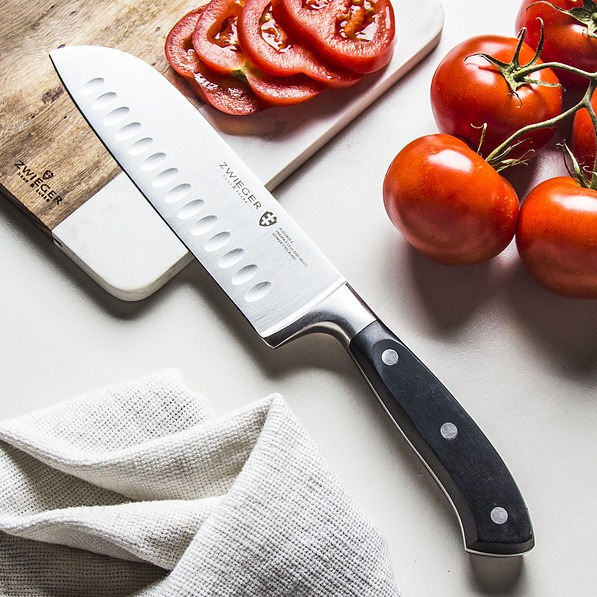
280,281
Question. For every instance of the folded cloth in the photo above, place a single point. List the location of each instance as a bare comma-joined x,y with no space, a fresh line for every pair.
141,490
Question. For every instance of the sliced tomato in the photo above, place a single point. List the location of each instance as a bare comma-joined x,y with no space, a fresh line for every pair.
275,52
354,34
226,93
215,40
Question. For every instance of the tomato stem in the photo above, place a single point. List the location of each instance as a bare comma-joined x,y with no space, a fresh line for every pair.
515,74
585,14
575,171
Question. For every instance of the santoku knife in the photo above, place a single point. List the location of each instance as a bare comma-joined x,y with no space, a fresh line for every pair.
280,281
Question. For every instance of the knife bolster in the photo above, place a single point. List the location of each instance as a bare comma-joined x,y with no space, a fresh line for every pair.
341,314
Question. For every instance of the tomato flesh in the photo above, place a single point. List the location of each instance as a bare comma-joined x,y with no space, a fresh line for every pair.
448,202
566,39
228,94
353,34
557,237
274,51
468,92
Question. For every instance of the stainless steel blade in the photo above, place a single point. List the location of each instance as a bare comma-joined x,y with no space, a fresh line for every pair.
237,230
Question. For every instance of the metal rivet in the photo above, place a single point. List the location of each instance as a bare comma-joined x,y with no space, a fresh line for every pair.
389,356
499,515
448,430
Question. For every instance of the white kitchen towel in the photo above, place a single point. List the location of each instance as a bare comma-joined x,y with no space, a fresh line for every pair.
141,490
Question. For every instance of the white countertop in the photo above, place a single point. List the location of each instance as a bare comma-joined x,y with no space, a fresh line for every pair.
522,361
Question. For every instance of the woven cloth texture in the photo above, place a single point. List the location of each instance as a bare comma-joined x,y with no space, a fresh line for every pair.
139,489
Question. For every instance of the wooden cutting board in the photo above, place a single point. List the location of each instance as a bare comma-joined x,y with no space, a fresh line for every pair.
54,168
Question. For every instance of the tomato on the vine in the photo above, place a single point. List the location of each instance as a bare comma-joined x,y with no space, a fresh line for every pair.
570,34
448,202
468,92
557,237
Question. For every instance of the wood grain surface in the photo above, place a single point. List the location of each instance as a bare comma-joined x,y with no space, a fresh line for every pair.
51,162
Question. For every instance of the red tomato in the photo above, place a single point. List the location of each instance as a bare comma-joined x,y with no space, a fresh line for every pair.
271,49
448,202
225,93
583,136
557,237
353,34
468,92
216,42
566,38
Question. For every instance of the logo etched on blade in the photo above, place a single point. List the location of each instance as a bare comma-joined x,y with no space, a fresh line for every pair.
268,219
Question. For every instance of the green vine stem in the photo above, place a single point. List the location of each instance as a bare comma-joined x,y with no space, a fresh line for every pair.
498,158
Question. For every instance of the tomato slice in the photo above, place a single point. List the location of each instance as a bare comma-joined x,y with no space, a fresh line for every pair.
179,44
215,40
354,34
270,48
226,93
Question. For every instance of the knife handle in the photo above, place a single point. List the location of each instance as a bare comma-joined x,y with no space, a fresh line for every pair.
492,512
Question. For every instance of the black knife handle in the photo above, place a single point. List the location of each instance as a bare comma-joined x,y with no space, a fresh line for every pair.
492,512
